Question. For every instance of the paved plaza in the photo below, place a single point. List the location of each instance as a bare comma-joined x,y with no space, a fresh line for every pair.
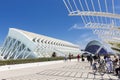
70,70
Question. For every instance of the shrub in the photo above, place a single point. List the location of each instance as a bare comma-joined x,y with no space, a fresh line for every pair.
21,61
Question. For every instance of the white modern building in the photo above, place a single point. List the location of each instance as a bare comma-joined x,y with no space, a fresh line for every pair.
20,44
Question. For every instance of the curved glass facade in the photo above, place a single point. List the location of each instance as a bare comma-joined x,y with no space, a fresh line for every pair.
95,47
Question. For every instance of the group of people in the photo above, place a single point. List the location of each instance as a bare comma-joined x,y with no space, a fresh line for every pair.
68,57
107,64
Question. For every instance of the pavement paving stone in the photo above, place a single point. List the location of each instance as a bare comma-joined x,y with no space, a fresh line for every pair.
72,74
106,76
78,74
91,75
84,75
57,73
65,71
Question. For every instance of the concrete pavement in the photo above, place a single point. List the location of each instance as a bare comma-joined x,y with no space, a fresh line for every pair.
70,70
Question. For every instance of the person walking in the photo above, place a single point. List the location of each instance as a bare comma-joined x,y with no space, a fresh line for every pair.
117,70
82,58
88,58
109,64
78,57
65,57
91,59
115,61
70,56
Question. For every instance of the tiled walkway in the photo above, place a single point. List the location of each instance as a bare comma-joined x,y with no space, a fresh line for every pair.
63,71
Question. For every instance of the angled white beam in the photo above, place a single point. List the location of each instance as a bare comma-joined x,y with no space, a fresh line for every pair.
100,10
83,17
90,13
98,49
113,6
78,10
106,6
106,11
113,9
87,9
94,10
75,4
66,6
70,5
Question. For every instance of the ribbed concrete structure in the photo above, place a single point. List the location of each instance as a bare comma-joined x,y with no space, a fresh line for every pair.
21,44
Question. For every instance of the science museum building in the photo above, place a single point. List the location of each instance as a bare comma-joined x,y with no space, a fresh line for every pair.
20,44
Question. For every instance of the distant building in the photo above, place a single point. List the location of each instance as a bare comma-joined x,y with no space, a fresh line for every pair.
95,47
21,44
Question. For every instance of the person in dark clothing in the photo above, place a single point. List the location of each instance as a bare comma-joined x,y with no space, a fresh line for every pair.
88,58
95,57
70,56
91,59
117,70
82,58
115,61
105,56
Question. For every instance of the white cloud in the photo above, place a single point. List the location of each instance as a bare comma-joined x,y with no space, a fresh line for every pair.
81,44
75,26
88,39
84,40
84,35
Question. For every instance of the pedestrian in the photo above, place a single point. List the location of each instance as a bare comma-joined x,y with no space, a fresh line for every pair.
65,57
88,58
70,56
117,70
94,67
91,59
115,61
82,58
95,57
109,64
78,57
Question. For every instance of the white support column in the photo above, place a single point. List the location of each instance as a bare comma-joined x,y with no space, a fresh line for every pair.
19,54
7,48
28,53
4,46
24,53
11,49
14,52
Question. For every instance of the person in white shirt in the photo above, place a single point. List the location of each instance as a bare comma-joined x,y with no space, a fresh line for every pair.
109,64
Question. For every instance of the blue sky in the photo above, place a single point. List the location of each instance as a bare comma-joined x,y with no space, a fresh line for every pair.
47,17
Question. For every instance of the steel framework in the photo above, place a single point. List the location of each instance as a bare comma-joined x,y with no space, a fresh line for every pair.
101,16
94,11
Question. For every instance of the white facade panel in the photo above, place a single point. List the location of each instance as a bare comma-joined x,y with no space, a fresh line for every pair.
22,44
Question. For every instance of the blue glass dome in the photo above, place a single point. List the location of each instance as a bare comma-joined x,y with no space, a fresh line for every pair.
93,46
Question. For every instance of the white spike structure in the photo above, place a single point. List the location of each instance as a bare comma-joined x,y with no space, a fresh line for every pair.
101,16
94,11
20,44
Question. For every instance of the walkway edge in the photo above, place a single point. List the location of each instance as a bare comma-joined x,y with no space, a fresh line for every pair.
27,65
